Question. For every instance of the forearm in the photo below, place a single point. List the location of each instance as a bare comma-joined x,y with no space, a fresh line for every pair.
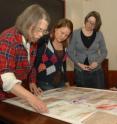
31,99
21,92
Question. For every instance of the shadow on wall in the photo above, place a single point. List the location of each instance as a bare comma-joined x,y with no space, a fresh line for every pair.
10,9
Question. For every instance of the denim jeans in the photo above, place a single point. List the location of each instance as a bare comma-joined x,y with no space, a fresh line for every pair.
93,79
49,85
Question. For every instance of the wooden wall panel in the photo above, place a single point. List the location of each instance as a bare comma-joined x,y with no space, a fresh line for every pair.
70,76
112,78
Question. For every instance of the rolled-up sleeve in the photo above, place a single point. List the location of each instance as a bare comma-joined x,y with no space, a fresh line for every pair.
9,80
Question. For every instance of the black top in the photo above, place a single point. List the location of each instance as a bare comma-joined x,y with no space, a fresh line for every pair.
87,41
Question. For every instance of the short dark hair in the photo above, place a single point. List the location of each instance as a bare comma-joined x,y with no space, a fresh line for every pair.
97,16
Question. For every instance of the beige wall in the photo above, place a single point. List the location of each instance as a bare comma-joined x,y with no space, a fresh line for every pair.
76,11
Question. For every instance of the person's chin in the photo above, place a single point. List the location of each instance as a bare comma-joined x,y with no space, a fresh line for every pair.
60,41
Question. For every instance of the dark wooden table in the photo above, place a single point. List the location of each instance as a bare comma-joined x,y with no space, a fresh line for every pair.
16,115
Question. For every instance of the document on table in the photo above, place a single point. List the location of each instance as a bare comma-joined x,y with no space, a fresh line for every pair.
77,105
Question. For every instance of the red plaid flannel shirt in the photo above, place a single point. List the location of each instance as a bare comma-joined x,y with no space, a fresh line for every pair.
13,57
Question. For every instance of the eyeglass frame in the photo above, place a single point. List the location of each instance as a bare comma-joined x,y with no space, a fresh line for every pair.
91,23
38,29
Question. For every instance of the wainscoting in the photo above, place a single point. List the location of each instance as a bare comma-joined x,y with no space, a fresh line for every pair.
112,78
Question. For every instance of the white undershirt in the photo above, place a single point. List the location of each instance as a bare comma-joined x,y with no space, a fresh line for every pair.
27,47
9,80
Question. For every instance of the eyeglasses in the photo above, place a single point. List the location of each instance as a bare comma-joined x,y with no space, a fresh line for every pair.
41,30
91,22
